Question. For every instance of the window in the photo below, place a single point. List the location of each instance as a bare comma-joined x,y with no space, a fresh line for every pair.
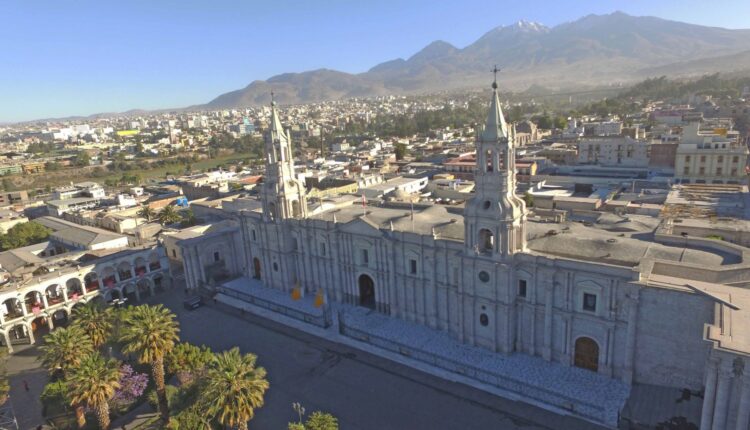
254,236
217,257
720,159
718,171
174,253
686,170
413,266
703,158
735,159
521,288
294,244
365,257
734,172
702,171
687,158
589,302
484,320
486,240
275,267
323,249
484,276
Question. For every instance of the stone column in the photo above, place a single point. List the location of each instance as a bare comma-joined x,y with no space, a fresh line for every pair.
7,342
743,410
707,413
630,342
548,297
50,322
31,334
723,389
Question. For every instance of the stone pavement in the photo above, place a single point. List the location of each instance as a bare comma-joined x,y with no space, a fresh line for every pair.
23,366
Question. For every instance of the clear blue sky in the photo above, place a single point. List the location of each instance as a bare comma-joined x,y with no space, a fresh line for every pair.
76,57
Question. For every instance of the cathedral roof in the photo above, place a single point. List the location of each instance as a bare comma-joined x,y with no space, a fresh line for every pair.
276,130
495,127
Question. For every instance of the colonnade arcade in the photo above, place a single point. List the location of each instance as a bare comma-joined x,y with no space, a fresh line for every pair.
32,311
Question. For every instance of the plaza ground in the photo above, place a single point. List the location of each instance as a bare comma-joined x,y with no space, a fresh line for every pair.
364,391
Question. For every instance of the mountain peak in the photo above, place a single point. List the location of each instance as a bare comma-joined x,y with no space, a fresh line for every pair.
434,50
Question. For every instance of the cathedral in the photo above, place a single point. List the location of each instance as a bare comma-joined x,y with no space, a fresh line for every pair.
622,297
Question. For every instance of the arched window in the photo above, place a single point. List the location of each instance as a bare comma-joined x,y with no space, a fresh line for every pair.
296,211
486,240
488,160
272,211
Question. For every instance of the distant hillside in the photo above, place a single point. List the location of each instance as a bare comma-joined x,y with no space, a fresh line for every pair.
596,49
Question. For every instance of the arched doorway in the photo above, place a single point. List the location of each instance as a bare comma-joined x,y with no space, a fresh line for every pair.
40,327
60,318
256,268
587,354
366,292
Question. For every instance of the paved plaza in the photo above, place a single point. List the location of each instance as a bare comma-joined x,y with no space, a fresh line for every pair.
364,391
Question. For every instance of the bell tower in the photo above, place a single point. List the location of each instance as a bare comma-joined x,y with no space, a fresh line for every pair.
495,218
283,195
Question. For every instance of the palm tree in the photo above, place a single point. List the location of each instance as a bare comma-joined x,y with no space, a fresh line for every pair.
169,215
93,383
234,388
62,351
151,332
95,321
147,213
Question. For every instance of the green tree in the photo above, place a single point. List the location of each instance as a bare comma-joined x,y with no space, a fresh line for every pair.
151,332
4,384
321,421
93,383
401,151
94,320
52,166
188,218
24,234
169,215
188,362
82,159
147,212
234,388
63,350
316,421
529,199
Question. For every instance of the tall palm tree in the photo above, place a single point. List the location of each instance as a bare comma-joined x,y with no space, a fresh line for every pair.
62,351
151,332
234,388
147,212
169,215
93,383
95,320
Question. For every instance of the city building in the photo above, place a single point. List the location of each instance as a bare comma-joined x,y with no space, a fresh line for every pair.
710,157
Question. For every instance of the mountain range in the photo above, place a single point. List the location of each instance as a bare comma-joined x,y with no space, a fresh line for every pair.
593,50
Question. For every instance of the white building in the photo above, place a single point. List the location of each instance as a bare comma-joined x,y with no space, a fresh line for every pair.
708,157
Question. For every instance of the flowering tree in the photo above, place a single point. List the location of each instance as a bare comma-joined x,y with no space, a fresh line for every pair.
132,386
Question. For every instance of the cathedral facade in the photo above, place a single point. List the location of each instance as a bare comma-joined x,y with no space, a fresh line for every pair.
640,307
